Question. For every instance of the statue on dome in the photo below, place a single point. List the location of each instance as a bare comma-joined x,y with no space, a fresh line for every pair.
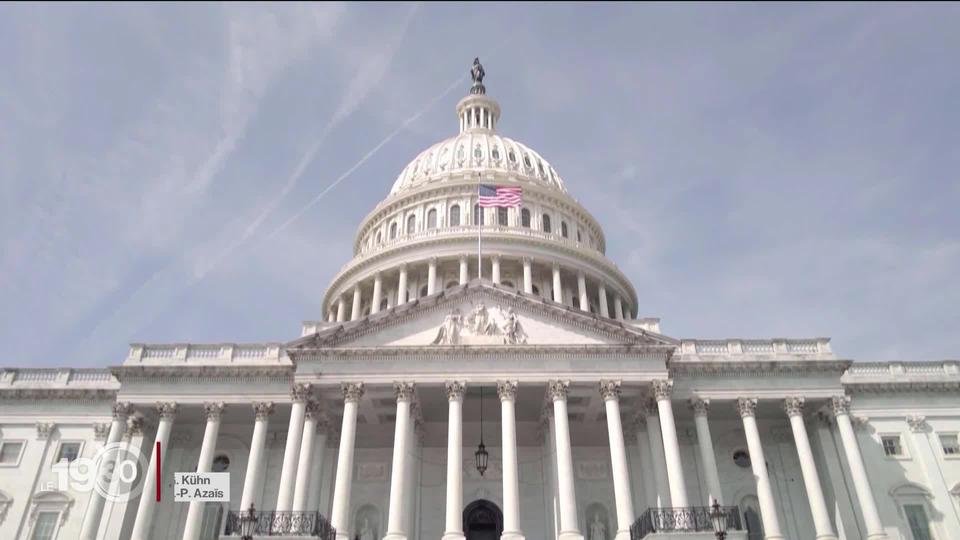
513,333
477,74
449,333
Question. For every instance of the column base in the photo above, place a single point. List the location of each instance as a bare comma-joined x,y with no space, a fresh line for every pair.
827,537
512,535
342,535
571,535
453,536
395,536
878,536
622,535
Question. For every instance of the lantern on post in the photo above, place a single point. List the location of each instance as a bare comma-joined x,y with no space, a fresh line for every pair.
719,519
248,523
481,454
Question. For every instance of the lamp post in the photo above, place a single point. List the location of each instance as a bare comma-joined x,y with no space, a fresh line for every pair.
248,523
719,519
481,454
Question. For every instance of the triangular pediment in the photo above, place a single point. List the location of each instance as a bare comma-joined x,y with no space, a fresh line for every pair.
480,314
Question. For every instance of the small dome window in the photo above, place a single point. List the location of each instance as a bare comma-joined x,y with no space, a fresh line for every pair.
378,237
455,215
502,216
432,219
383,304
546,223
563,229
393,230
411,224
461,154
540,168
495,153
423,291
525,218
526,161
478,153
477,215
512,157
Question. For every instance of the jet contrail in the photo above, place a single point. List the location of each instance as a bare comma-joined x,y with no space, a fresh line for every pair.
366,157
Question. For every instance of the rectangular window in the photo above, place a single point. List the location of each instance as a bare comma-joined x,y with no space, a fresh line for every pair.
950,444
891,445
46,525
69,451
10,452
919,524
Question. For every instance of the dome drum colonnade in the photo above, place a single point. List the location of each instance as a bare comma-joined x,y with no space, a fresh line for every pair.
424,237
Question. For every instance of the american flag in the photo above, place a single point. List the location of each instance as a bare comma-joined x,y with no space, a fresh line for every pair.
500,196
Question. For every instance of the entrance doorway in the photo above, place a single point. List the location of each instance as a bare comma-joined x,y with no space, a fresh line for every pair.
482,520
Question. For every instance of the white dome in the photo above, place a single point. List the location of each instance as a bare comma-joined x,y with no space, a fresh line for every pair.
477,150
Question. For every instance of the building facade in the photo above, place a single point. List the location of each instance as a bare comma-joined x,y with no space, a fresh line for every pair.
597,425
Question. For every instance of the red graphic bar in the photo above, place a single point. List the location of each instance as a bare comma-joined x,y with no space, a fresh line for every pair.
158,471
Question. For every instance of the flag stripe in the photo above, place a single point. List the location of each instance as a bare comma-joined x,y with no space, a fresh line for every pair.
500,196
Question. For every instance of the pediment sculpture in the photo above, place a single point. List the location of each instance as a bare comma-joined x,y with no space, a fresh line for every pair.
481,327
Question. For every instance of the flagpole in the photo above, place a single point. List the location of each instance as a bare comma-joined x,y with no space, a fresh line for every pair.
479,232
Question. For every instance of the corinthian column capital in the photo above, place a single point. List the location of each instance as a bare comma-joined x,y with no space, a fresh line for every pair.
352,392
557,390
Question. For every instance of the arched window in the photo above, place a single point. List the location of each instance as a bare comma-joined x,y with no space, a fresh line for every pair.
432,219
393,230
525,218
411,224
455,215
502,217
546,223
579,239
563,229
423,291
477,215
536,290
383,304
378,237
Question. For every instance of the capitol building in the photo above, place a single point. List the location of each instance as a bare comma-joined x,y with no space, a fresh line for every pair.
480,372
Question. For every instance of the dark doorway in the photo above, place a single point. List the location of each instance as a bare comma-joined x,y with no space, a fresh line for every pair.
482,520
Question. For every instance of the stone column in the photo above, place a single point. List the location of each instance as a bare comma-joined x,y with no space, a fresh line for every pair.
645,457
148,501
401,435
618,308
377,293
402,286
355,307
557,286
527,275
768,508
91,520
300,393
331,314
569,526
701,407
320,452
301,490
861,483
341,309
464,272
582,289
554,487
252,480
432,276
207,448
818,505
663,389
454,524
610,391
340,514
602,297
495,269
511,475
655,441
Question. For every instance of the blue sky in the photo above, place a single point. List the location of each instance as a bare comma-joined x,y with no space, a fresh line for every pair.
760,170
